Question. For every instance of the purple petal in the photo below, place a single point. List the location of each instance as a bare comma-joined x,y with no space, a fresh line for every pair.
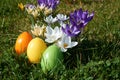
90,16
80,12
67,27
63,29
84,15
80,18
49,3
80,25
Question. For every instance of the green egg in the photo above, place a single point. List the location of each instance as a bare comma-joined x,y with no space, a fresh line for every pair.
51,59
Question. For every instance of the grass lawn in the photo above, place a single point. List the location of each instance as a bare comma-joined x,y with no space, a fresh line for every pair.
97,57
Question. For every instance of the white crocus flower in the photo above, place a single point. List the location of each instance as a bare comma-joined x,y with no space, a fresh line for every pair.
65,42
38,31
48,11
62,17
35,13
29,8
52,35
41,7
50,19
62,24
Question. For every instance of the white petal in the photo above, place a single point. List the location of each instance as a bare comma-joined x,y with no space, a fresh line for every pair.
56,29
49,41
63,49
47,35
68,40
54,20
59,43
42,6
49,30
48,19
62,17
72,44
62,24
58,16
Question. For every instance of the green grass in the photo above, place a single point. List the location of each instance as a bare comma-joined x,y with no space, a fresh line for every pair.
97,57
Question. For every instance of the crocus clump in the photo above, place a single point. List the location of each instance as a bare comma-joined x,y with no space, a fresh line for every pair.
71,30
44,6
80,18
50,4
47,5
58,29
62,36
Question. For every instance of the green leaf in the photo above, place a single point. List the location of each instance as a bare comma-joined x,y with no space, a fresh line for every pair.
108,63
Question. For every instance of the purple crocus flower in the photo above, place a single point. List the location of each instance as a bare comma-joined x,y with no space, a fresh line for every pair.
80,18
49,3
71,30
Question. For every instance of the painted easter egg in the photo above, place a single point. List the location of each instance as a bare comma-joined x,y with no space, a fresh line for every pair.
35,49
51,58
22,42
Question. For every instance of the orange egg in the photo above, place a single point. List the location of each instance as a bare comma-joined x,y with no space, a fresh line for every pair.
22,42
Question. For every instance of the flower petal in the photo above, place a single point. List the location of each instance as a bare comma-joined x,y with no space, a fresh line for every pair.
49,30
63,49
73,44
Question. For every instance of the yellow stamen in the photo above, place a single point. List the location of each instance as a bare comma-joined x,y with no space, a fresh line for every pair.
65,45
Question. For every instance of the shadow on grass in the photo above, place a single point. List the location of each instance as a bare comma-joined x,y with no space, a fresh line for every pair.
89,50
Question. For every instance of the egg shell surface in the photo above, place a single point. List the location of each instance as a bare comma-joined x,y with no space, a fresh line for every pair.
35,49
51,59
22,42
